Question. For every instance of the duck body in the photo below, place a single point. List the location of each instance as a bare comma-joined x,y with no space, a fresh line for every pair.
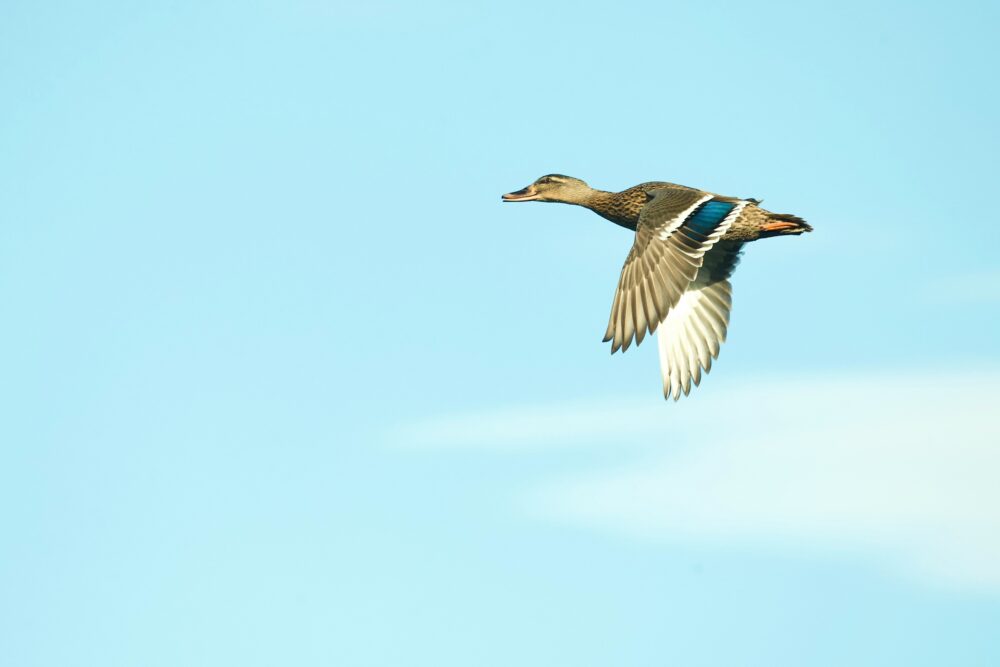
675,281
623,208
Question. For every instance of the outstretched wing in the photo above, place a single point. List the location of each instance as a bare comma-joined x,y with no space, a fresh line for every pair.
694,329
676,228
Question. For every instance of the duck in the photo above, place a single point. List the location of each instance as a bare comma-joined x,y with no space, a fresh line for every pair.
676,278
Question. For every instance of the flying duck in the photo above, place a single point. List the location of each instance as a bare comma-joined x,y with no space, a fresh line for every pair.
675,281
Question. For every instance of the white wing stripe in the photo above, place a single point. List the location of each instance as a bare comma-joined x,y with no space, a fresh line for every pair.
681,217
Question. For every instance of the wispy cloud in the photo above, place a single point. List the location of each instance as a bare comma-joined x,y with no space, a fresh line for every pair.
530,427
902,468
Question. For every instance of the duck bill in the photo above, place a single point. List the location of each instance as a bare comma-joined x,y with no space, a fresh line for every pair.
525,194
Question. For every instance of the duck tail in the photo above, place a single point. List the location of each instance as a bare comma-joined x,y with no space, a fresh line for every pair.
781,224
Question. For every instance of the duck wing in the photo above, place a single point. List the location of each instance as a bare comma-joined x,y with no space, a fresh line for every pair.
695,328
675,230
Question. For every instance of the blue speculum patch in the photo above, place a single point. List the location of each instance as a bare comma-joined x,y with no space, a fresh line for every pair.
708,216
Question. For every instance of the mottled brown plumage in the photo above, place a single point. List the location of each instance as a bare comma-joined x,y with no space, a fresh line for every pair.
623,208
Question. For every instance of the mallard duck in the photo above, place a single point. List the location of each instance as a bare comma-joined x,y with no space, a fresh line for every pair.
676,277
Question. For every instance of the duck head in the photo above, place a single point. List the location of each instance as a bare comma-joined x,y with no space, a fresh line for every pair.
554,188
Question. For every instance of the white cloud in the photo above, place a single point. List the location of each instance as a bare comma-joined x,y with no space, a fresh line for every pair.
527,427
902,468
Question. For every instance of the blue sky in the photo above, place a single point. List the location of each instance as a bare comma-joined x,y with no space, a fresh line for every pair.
285,383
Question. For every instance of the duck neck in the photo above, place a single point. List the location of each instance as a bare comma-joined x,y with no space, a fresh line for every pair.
608,206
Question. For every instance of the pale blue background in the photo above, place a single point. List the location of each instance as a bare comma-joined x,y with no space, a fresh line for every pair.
241,242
